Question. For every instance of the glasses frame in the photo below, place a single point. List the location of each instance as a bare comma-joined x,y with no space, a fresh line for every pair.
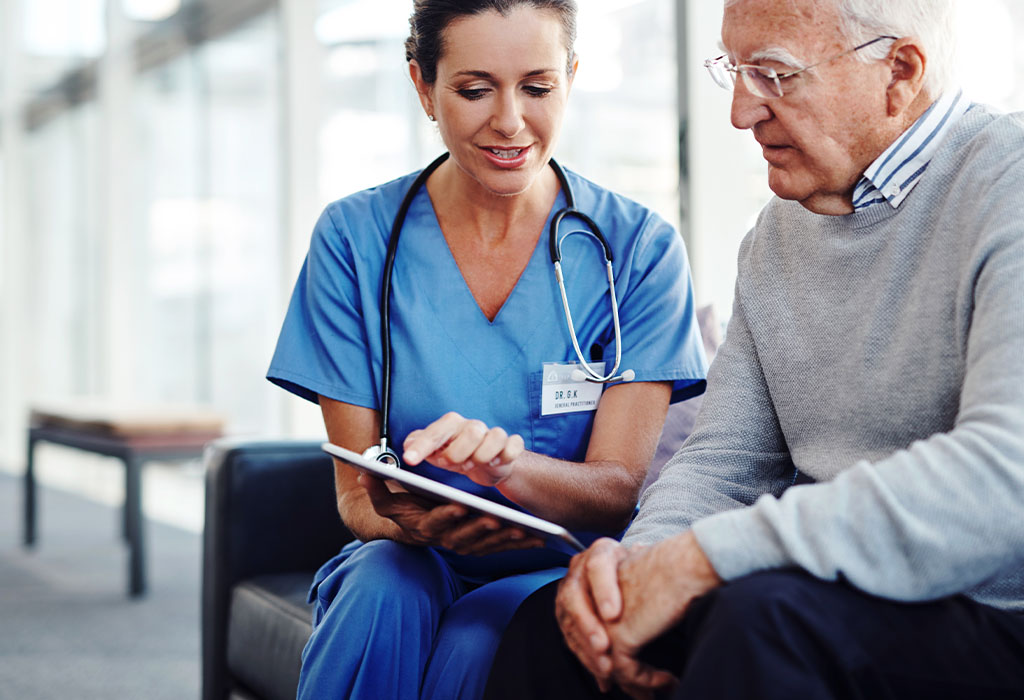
770,75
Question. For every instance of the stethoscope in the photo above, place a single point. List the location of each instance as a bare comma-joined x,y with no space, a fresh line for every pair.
382,452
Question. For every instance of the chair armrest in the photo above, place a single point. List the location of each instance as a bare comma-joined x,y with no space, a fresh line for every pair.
270,508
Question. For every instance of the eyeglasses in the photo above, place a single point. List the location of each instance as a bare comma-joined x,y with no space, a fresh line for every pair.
761,80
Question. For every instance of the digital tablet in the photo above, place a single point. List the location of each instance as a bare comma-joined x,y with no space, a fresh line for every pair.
443,493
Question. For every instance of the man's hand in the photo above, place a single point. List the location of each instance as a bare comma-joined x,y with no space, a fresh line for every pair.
657,584
589,593
613,602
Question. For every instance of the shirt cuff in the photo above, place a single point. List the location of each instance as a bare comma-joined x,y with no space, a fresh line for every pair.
741,541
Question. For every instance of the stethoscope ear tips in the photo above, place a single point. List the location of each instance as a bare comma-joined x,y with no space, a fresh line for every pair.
628,376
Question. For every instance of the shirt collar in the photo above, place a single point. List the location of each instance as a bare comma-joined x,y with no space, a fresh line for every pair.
898,169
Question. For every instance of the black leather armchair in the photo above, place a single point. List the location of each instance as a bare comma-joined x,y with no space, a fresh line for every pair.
271,521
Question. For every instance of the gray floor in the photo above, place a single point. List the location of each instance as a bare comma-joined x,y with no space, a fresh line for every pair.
67,630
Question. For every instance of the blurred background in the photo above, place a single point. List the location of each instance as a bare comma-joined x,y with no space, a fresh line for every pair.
162,163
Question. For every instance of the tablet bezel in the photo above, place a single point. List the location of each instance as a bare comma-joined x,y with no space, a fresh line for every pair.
450,494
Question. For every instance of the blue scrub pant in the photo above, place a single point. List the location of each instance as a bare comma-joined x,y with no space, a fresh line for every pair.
395,621
784,634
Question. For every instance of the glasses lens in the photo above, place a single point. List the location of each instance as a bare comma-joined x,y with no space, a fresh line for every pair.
761,81
717,68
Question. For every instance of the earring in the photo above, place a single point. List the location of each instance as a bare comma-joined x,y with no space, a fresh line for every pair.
431,117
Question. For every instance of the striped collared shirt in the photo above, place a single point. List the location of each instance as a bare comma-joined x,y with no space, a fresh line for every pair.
894,173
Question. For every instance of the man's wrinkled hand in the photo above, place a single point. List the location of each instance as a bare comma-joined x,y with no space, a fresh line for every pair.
657,585
586,596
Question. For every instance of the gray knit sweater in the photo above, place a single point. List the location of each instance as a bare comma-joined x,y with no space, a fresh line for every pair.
882,354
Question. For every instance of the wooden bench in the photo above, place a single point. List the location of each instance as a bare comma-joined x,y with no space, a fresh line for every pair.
134,434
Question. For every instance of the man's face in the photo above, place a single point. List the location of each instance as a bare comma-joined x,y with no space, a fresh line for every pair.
831,122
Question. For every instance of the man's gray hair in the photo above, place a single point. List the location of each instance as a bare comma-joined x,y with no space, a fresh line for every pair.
929,21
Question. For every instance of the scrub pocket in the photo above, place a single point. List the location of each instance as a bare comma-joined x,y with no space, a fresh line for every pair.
563,435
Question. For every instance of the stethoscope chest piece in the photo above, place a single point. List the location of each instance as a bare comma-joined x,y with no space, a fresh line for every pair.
383,454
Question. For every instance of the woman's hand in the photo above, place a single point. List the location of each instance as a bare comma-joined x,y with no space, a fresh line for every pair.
449,525
466,446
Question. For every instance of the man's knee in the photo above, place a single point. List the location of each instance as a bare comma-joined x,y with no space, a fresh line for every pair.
763,600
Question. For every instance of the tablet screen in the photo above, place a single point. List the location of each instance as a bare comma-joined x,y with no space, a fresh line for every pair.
555,534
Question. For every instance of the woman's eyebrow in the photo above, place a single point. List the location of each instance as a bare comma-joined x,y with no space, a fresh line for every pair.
490,76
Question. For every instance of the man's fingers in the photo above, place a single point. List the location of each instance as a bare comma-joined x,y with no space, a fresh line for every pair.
582,628
638,679
603,578
646,687
576,614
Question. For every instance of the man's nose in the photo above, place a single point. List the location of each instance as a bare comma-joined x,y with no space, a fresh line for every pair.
747,108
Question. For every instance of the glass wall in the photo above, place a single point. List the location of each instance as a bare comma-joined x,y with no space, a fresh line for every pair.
208,130
622,126
161,172
62,259
242,225
372,128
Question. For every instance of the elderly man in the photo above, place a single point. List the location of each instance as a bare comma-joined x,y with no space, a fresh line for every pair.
875,358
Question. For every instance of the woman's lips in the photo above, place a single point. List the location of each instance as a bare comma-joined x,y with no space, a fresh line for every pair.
505,157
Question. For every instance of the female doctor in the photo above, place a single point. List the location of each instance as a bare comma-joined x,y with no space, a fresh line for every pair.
416,606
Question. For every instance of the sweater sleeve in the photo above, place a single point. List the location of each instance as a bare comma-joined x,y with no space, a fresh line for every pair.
942,516
735,453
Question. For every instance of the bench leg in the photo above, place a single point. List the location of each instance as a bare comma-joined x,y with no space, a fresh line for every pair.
134,526
30,494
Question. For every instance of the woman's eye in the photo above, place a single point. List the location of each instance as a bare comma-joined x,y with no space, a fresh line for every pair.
472,93
537,91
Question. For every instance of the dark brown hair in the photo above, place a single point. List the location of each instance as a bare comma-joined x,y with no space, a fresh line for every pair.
430,18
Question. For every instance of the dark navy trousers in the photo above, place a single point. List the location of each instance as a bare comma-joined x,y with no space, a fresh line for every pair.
786,634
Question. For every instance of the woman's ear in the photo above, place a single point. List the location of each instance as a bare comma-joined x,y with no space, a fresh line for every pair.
908,63
572,71
423,88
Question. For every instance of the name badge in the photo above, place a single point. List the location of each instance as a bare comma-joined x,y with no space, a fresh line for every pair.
560,393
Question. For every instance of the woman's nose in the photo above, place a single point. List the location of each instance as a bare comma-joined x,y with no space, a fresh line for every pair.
508,116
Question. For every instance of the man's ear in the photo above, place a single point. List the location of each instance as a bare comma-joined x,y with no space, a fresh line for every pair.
423,88
908,63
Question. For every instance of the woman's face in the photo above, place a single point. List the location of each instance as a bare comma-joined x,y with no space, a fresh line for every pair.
500,95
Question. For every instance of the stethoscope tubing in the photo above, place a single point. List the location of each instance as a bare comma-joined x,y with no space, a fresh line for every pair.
554,244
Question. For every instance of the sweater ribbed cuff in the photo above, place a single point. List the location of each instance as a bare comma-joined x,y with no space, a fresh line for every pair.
739,542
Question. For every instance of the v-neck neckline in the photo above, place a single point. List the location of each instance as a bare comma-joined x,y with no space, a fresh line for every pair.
530,270
455,311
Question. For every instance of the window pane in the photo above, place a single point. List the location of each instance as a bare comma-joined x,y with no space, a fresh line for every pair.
210,207
60,157
622,126
373,128
57,35
243,218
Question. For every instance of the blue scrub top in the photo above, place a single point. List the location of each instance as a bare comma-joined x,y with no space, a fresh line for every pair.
447,356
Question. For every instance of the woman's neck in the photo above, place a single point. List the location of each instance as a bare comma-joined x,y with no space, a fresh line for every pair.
465,208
